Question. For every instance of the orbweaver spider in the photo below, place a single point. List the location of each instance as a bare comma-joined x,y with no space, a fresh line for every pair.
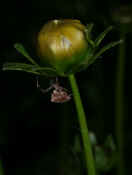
58,95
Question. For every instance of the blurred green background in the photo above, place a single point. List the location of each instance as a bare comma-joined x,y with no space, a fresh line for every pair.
37,136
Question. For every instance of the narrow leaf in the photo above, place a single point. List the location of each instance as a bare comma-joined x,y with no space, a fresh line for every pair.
19,47
20,67
88,31
50,72
34,69
90,42
83,65
105,48
102,35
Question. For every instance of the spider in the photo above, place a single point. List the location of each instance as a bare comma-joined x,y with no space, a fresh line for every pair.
59,94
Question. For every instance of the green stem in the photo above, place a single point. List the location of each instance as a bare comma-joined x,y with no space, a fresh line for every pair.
83,127
119,107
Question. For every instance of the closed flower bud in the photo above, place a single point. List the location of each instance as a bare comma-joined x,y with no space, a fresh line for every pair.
62,45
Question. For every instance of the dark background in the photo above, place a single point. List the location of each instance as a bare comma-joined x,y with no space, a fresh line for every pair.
32,129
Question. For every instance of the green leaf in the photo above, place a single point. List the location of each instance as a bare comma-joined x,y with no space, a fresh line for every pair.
90,59
102,35
88,30
105,48
83,65
20,67
90,42
34,69
46,71
19,47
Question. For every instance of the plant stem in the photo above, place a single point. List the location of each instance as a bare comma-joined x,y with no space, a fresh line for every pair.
119,107
83,127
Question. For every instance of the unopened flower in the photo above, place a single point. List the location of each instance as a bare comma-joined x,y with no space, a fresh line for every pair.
62,44
64,47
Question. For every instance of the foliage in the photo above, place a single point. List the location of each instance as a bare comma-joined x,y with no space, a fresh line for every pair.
92,55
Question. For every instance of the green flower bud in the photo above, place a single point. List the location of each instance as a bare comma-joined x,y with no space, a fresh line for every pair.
62,45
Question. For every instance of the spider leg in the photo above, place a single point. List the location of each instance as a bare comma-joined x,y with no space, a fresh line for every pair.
56,81
43,90
38,85
46,90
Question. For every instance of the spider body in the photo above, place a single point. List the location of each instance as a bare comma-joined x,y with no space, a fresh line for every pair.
59,94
